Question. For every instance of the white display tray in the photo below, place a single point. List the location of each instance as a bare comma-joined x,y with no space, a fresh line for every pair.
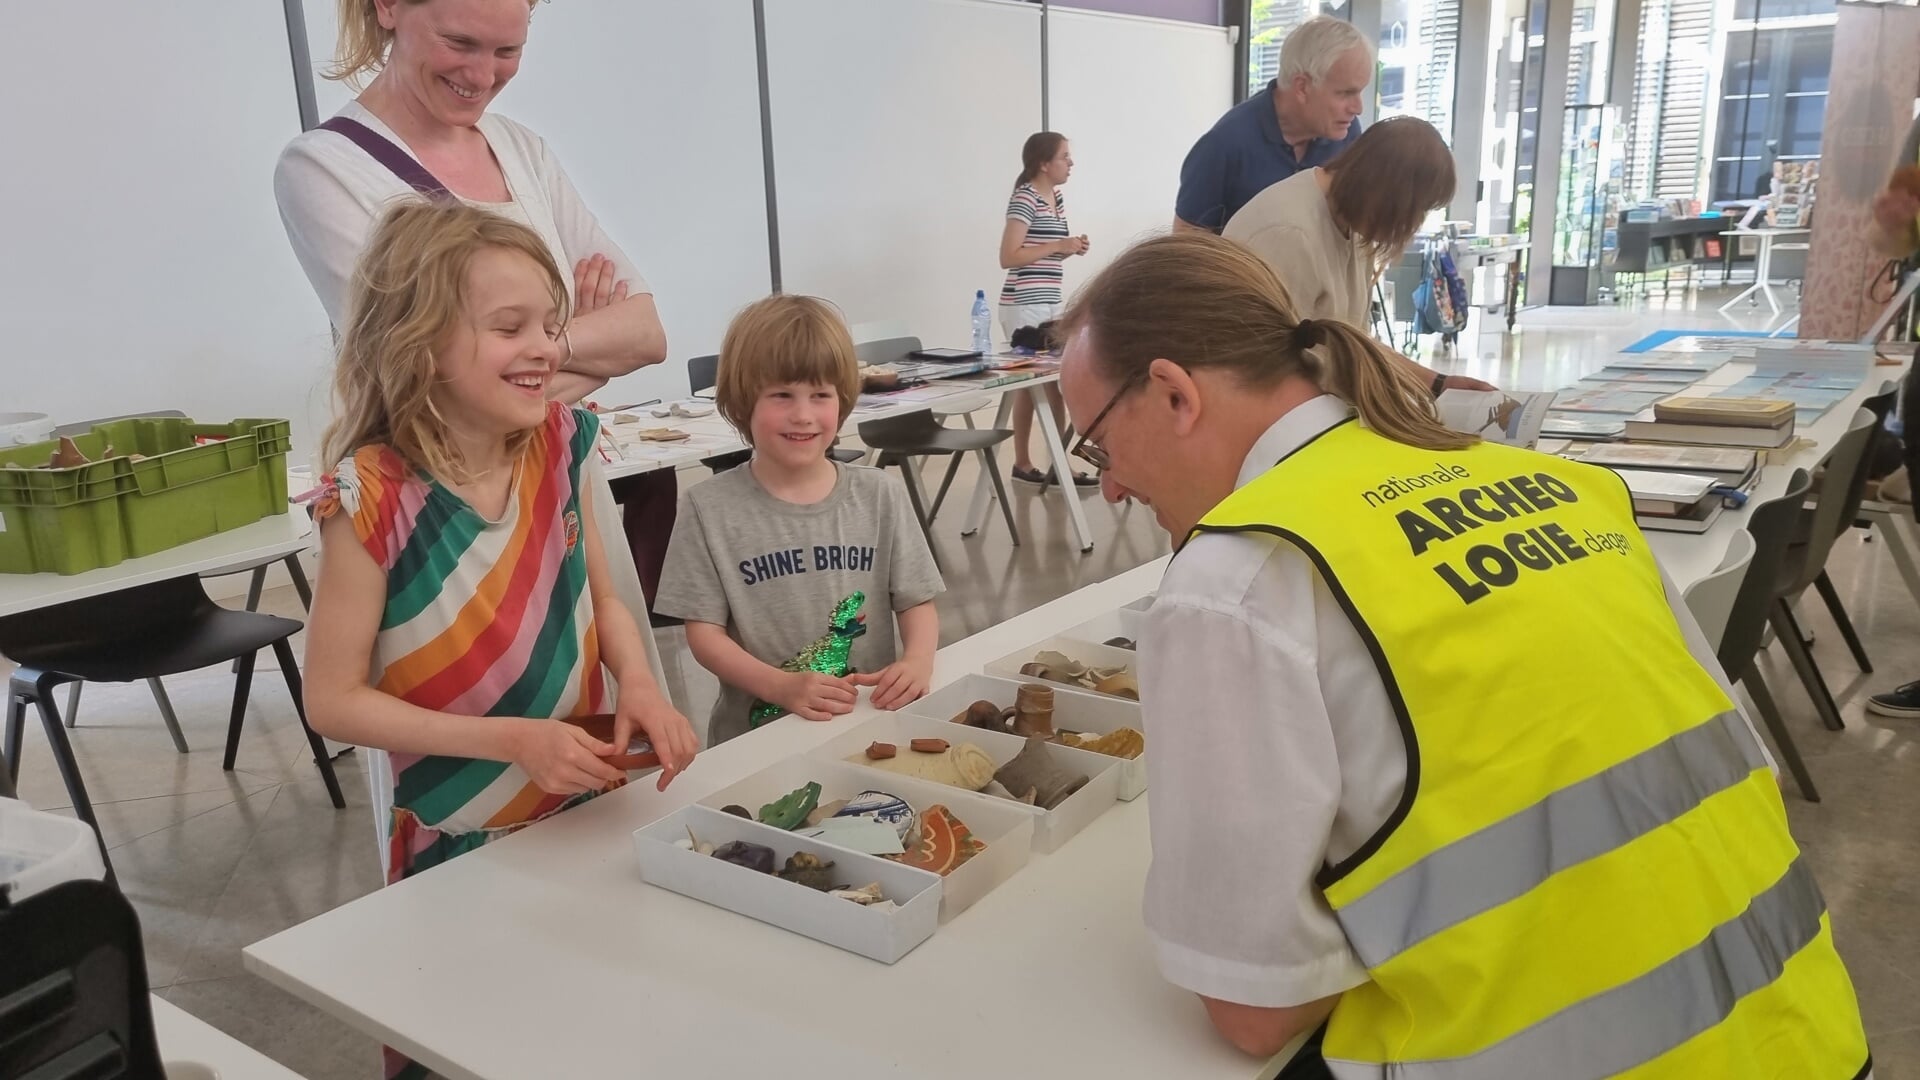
1073,710
1121,622
1051,828
885,936
1089,653
1006,828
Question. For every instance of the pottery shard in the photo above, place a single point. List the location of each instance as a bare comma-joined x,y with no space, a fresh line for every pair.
983,714
736,810
880,751
1035,770
1121,743
928,746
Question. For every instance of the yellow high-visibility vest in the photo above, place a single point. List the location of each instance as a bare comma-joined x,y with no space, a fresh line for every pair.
1589,874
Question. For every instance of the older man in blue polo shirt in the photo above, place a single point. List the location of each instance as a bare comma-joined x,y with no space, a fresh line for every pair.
1303,119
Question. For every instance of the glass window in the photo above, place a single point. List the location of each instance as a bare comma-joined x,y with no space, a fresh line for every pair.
1781,9
1809,60
1800,133
1773,103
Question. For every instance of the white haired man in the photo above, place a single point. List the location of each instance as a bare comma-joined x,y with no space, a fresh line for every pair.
1303,119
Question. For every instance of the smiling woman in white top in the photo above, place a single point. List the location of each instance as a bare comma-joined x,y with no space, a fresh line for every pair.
422,125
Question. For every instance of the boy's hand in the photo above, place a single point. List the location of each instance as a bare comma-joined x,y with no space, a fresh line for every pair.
561,759
899,684
813,696
669,732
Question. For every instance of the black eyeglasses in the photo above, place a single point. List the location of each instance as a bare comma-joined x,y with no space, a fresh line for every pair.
1084,447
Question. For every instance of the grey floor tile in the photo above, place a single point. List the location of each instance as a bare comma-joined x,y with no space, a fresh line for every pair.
1896,1055
280,1026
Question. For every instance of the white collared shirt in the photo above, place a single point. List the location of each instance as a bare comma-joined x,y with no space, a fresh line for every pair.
1273,752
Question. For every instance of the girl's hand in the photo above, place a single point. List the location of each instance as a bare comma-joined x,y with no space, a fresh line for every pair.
1895,211
561,759
594,286
899,684
669,732
813,696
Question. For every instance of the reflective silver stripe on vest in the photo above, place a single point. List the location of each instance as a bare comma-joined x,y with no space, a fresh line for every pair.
1511,857
1638,1021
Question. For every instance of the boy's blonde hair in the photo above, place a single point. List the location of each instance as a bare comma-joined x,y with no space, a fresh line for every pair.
408,293
784,339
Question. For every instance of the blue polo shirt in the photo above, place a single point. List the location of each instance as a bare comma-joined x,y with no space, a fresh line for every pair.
1242,155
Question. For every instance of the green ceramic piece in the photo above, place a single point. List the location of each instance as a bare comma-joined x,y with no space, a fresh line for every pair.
790,811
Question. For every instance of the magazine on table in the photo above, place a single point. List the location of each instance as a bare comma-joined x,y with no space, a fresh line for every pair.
1510,418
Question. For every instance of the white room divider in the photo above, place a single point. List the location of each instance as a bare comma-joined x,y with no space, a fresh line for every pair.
654,110
1131,94
144,265
897,129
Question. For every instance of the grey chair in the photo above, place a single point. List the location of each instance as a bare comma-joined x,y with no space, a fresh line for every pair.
1804,563
900,440
1771,525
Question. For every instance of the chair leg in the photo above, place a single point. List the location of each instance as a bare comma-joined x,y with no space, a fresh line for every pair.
939,497
1889,532
73,703
16,722
1000,490
1831,597
1787,630
166,713
283,654
242,683
1769,712
70,774
299,575
255,584
919,507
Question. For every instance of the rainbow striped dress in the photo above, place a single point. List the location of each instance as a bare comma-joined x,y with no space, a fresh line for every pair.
483,618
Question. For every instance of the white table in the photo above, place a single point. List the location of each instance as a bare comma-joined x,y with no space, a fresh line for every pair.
545,955
712,436
1762,262
185,1039
269,538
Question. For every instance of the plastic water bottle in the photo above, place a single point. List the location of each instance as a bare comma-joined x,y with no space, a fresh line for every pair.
982,324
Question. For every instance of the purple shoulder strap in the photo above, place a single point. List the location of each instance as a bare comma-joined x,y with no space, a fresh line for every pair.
382,150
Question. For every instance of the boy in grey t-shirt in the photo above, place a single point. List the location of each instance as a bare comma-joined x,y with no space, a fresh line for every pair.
764,554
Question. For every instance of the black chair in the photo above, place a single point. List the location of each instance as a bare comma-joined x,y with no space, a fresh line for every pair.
702,373
166,628
1771,524
254,587
1804,563
73,988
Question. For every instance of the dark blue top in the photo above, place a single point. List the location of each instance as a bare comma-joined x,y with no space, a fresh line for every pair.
1242,155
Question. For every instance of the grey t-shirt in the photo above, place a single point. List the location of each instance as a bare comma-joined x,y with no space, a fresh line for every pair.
1291,228
771,572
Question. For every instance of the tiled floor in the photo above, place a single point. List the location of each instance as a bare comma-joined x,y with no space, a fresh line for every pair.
214,861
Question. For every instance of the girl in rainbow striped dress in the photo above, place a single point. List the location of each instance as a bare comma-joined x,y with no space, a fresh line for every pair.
465,604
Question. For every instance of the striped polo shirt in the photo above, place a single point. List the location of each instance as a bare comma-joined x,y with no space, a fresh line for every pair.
1036,282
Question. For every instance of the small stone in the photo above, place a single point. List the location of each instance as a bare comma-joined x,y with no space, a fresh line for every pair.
984,714
736,810
929,746
866,894
684,844
744,853
881,751
806,868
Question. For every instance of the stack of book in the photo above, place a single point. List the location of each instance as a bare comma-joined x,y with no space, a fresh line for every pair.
1673,501
1727,466
1752,423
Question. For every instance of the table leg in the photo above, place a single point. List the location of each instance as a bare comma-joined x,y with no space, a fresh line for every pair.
1062,466
983,489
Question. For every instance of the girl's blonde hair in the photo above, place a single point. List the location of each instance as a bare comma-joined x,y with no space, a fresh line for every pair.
1204,302
784,339
362,46
408,293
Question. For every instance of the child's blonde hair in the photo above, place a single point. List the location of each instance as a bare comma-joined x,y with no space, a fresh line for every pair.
784,339
408,293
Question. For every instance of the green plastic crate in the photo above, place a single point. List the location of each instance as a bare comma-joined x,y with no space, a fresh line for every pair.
69,521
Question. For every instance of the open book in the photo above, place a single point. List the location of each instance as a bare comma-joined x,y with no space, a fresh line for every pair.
1498,416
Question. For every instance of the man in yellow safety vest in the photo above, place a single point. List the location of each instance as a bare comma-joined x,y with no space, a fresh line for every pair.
1436,757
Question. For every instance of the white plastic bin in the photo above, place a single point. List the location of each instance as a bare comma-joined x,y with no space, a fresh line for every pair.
1073,710
39,850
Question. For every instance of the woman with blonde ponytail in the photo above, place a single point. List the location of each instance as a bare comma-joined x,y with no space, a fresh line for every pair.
1381,648
427,70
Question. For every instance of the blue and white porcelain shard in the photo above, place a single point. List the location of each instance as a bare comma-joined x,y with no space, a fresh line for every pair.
884,807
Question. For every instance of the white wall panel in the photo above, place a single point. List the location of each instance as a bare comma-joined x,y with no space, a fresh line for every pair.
897,128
